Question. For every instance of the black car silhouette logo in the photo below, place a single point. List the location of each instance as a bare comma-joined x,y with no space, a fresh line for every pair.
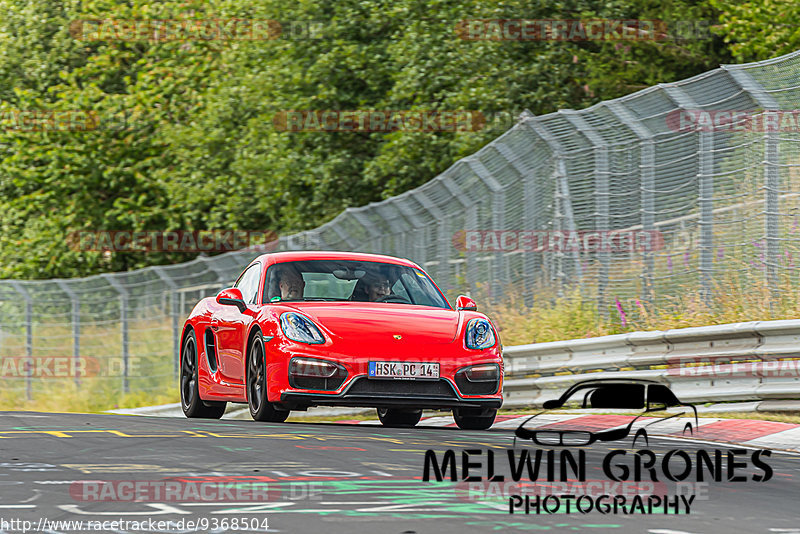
643,406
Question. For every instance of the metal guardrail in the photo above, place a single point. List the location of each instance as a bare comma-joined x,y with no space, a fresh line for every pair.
757,360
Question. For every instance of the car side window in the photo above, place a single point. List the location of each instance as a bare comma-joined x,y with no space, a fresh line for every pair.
618,396
658,395
400,289
248,283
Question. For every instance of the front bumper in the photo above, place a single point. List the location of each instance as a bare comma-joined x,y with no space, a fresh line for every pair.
387,393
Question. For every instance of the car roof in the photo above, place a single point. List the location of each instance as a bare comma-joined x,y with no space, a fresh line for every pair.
618,381
304,255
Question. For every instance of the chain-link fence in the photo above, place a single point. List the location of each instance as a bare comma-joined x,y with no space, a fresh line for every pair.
675,189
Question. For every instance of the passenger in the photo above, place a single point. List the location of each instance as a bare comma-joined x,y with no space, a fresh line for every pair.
291,284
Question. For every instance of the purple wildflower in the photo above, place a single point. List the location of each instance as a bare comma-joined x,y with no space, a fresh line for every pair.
622,317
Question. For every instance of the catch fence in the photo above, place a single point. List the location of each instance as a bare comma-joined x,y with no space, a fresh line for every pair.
677,189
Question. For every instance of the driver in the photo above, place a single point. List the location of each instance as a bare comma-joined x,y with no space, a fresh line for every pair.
291,284
377,288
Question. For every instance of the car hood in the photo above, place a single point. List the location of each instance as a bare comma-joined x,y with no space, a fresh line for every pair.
374,322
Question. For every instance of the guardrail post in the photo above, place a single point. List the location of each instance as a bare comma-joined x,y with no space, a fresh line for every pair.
76,328
173,301
566,223
530,196
767,102
601,199
375,235
471,275
418,253
222,275
771,210
648,213
123,318
646,186
498,220
562,209
601,206
706,193
458,196
28,337
706,222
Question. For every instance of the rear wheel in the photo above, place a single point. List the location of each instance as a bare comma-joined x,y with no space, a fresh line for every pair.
394,417
260,408
474,418
191,403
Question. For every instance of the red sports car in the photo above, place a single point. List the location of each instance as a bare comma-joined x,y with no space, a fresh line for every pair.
302,329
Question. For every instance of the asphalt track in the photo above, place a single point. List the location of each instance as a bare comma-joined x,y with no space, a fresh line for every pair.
325,478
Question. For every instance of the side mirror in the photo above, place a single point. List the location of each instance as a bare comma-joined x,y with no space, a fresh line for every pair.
551,404
232,297
463,302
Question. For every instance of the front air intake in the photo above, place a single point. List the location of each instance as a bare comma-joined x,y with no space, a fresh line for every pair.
211,351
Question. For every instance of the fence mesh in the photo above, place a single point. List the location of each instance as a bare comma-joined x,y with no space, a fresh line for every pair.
702,175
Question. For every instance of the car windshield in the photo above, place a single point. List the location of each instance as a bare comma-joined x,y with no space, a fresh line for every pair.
346,280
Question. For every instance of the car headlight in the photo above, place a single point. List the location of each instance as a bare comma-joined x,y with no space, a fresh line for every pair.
300,328
479,334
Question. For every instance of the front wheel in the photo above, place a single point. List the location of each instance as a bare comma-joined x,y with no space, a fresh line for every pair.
260,408
191,403
393,417
474,419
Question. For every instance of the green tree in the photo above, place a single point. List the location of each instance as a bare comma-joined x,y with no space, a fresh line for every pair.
759,29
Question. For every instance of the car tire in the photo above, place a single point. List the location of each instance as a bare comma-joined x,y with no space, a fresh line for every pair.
393,417
191,403
256,385
474,418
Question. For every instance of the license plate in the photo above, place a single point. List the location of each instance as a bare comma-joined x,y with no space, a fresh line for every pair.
406,370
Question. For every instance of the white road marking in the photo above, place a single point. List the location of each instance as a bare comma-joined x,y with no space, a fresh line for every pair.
157,509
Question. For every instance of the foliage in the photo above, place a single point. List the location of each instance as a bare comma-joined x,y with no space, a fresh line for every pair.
759,29
198,148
